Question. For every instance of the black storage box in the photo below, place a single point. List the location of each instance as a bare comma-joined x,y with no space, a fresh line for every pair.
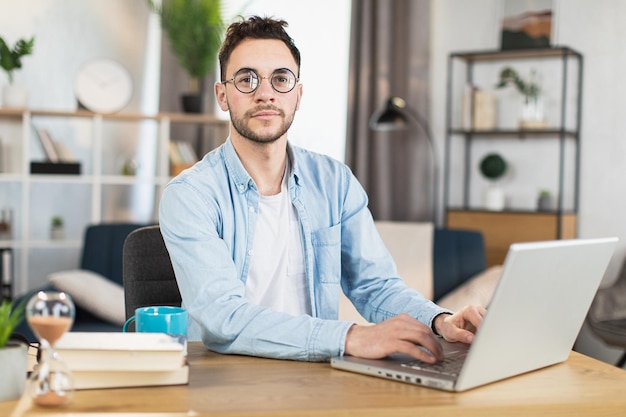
72,168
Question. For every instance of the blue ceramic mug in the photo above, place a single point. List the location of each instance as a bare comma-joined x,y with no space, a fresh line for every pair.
159,319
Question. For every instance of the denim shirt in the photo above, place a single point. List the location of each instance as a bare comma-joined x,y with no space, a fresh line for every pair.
208,217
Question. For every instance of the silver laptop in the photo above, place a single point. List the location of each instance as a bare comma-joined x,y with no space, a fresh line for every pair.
534,317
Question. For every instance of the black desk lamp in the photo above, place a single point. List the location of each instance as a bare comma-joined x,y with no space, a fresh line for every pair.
397,116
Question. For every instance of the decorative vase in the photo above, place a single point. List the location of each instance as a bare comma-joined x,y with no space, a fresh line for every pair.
494,198
13,361
193,103
57,232
532,113
14,96
544,203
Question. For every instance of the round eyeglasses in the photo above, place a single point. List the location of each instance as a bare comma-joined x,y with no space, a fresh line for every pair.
247,80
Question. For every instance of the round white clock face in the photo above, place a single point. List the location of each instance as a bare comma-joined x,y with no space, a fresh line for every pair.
103,86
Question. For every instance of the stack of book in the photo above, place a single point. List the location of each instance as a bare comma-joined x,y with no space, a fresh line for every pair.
115,360
182,156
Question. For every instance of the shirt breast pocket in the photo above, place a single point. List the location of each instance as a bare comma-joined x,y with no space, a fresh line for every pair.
327,254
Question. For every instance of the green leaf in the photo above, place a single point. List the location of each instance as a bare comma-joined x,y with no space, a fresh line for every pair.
10,317
194,29
11,59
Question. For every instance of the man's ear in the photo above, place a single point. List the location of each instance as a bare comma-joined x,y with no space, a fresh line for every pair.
220,95
299,87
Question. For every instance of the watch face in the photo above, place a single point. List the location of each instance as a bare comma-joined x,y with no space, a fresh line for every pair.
103,86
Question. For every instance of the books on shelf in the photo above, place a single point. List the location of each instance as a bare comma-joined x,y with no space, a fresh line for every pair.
478,109
181,153
54,151
111,359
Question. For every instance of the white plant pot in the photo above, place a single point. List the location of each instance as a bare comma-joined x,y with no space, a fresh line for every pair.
14,96
494,199
57,233
13,364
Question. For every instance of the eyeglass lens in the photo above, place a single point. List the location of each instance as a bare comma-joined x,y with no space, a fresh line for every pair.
247,80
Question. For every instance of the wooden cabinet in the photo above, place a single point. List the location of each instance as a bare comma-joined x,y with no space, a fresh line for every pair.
124,164
501,229
545,157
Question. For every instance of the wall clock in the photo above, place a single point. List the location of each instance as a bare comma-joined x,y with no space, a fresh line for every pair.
103,86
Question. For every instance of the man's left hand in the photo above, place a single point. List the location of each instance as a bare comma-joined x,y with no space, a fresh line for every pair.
460,326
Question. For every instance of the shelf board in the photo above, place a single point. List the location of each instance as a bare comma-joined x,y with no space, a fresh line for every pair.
63,178
493,55
132,116
508,211
514,132
55,244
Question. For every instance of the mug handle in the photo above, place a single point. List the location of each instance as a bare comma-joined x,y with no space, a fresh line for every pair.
130,319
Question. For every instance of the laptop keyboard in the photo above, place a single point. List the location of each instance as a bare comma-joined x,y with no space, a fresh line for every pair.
450,365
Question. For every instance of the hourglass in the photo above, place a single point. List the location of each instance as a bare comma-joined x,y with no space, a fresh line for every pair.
50,314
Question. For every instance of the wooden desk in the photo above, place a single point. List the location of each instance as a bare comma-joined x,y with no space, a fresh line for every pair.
245,386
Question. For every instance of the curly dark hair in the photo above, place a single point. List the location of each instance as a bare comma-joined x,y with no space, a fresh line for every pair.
255,27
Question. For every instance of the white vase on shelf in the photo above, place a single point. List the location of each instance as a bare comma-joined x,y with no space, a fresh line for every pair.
494,198
532,113
14,96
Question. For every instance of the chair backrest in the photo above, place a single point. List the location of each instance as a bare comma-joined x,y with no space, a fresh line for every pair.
102,248
149,278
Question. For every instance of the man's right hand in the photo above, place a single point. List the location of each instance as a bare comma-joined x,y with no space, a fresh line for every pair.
400,334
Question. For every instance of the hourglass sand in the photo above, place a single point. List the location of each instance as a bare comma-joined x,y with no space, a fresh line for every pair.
50,314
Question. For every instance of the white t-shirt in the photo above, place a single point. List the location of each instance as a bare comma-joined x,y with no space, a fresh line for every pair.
276,276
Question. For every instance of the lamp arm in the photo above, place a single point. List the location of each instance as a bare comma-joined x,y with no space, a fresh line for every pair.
423,124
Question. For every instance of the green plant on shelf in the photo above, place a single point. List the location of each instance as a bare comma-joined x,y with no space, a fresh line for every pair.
509,76
493,166
11,59
57,221
194,29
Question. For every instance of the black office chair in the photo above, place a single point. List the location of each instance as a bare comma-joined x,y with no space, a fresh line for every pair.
607,315
147,271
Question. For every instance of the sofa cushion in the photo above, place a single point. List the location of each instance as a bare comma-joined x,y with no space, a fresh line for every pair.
93,292
410,244
478,290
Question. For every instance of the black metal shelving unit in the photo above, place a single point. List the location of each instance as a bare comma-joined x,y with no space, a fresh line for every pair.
560,132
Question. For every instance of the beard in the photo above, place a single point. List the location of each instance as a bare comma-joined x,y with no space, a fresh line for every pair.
242,125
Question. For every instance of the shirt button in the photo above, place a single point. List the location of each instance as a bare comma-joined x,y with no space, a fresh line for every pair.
250,252
251,209
241,187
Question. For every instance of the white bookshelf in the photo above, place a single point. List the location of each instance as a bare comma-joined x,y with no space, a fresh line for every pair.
101,143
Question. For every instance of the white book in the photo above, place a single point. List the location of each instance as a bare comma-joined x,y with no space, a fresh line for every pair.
116,351
125,379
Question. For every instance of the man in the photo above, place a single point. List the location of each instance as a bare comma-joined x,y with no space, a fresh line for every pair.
263,235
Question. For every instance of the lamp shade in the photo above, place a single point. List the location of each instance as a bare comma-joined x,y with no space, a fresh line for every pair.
392,117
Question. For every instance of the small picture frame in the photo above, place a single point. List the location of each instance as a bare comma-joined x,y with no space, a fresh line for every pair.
526,24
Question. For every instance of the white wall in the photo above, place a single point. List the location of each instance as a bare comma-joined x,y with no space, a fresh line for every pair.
596,29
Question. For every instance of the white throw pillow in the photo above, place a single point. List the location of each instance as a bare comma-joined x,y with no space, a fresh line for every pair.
478,290
93,292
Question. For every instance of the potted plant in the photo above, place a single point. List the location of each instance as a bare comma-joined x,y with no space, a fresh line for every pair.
532,111
57,231
11,60
493,167
13,354
194,29
544,200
